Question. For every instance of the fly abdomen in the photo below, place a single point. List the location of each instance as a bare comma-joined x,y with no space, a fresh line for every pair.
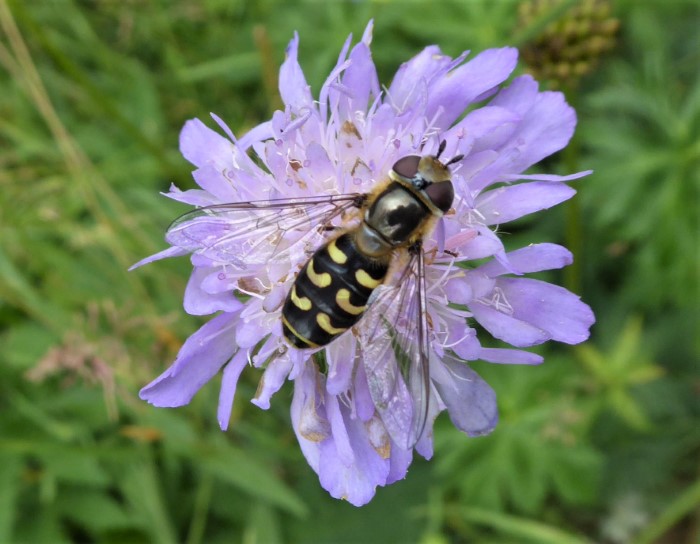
330,293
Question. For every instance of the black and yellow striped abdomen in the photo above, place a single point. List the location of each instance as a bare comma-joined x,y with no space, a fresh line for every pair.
330,293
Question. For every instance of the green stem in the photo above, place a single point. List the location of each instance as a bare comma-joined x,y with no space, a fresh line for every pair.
572,209
201,508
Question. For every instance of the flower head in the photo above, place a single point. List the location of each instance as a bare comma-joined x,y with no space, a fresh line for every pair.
346,142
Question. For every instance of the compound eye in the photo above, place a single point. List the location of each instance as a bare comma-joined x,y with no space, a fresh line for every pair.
407,167
441,194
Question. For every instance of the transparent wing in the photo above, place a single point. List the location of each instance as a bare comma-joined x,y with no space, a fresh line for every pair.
395,352
260,231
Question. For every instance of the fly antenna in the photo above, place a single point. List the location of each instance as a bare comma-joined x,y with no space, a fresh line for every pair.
443,144
454,159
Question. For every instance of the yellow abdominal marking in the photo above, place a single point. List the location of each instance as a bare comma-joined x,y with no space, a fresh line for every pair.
365,280
299,336
319,280
342,298
336,255
325,323
303,303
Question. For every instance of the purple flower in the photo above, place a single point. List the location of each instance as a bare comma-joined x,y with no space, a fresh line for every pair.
346,142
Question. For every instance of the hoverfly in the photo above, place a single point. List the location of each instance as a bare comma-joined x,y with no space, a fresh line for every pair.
371,271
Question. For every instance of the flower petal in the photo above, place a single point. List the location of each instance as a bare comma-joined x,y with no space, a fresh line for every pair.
341,440
470,401
294,90
232,372
197,301
271,381
200,358
547,177
203,146
483,129
454,91
341,361
423,66
549,307
512,202
360,78
165,254
533,258
509,356
358,481
507,328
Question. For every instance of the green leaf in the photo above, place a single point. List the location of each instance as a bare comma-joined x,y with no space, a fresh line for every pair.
72,465
96,511
522,529
232,466
683,505
576,474
142,490
10,475
263,526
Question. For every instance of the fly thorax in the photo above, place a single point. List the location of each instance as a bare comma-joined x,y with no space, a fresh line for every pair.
370,243
396,214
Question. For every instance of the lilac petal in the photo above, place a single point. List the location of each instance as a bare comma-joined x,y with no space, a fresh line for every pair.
165,254
423,66
322,168
533,258
399,460
486,244
203,146
343,448
258,133
470,247
458,290
200,302
424,446
512,202
378,437
341,357
469,347
211,178
507,328
547,177
332,79
310,426
222,124
364,405
367,34
199,359
312,423
293,88
271,381
357,482
454,91
361,80
249,333
489,127
550,308
470,168
546,128
193,197
480,284
470,401
232,372
518,96
509,356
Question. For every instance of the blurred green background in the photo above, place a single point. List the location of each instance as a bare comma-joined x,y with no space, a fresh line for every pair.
599,444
